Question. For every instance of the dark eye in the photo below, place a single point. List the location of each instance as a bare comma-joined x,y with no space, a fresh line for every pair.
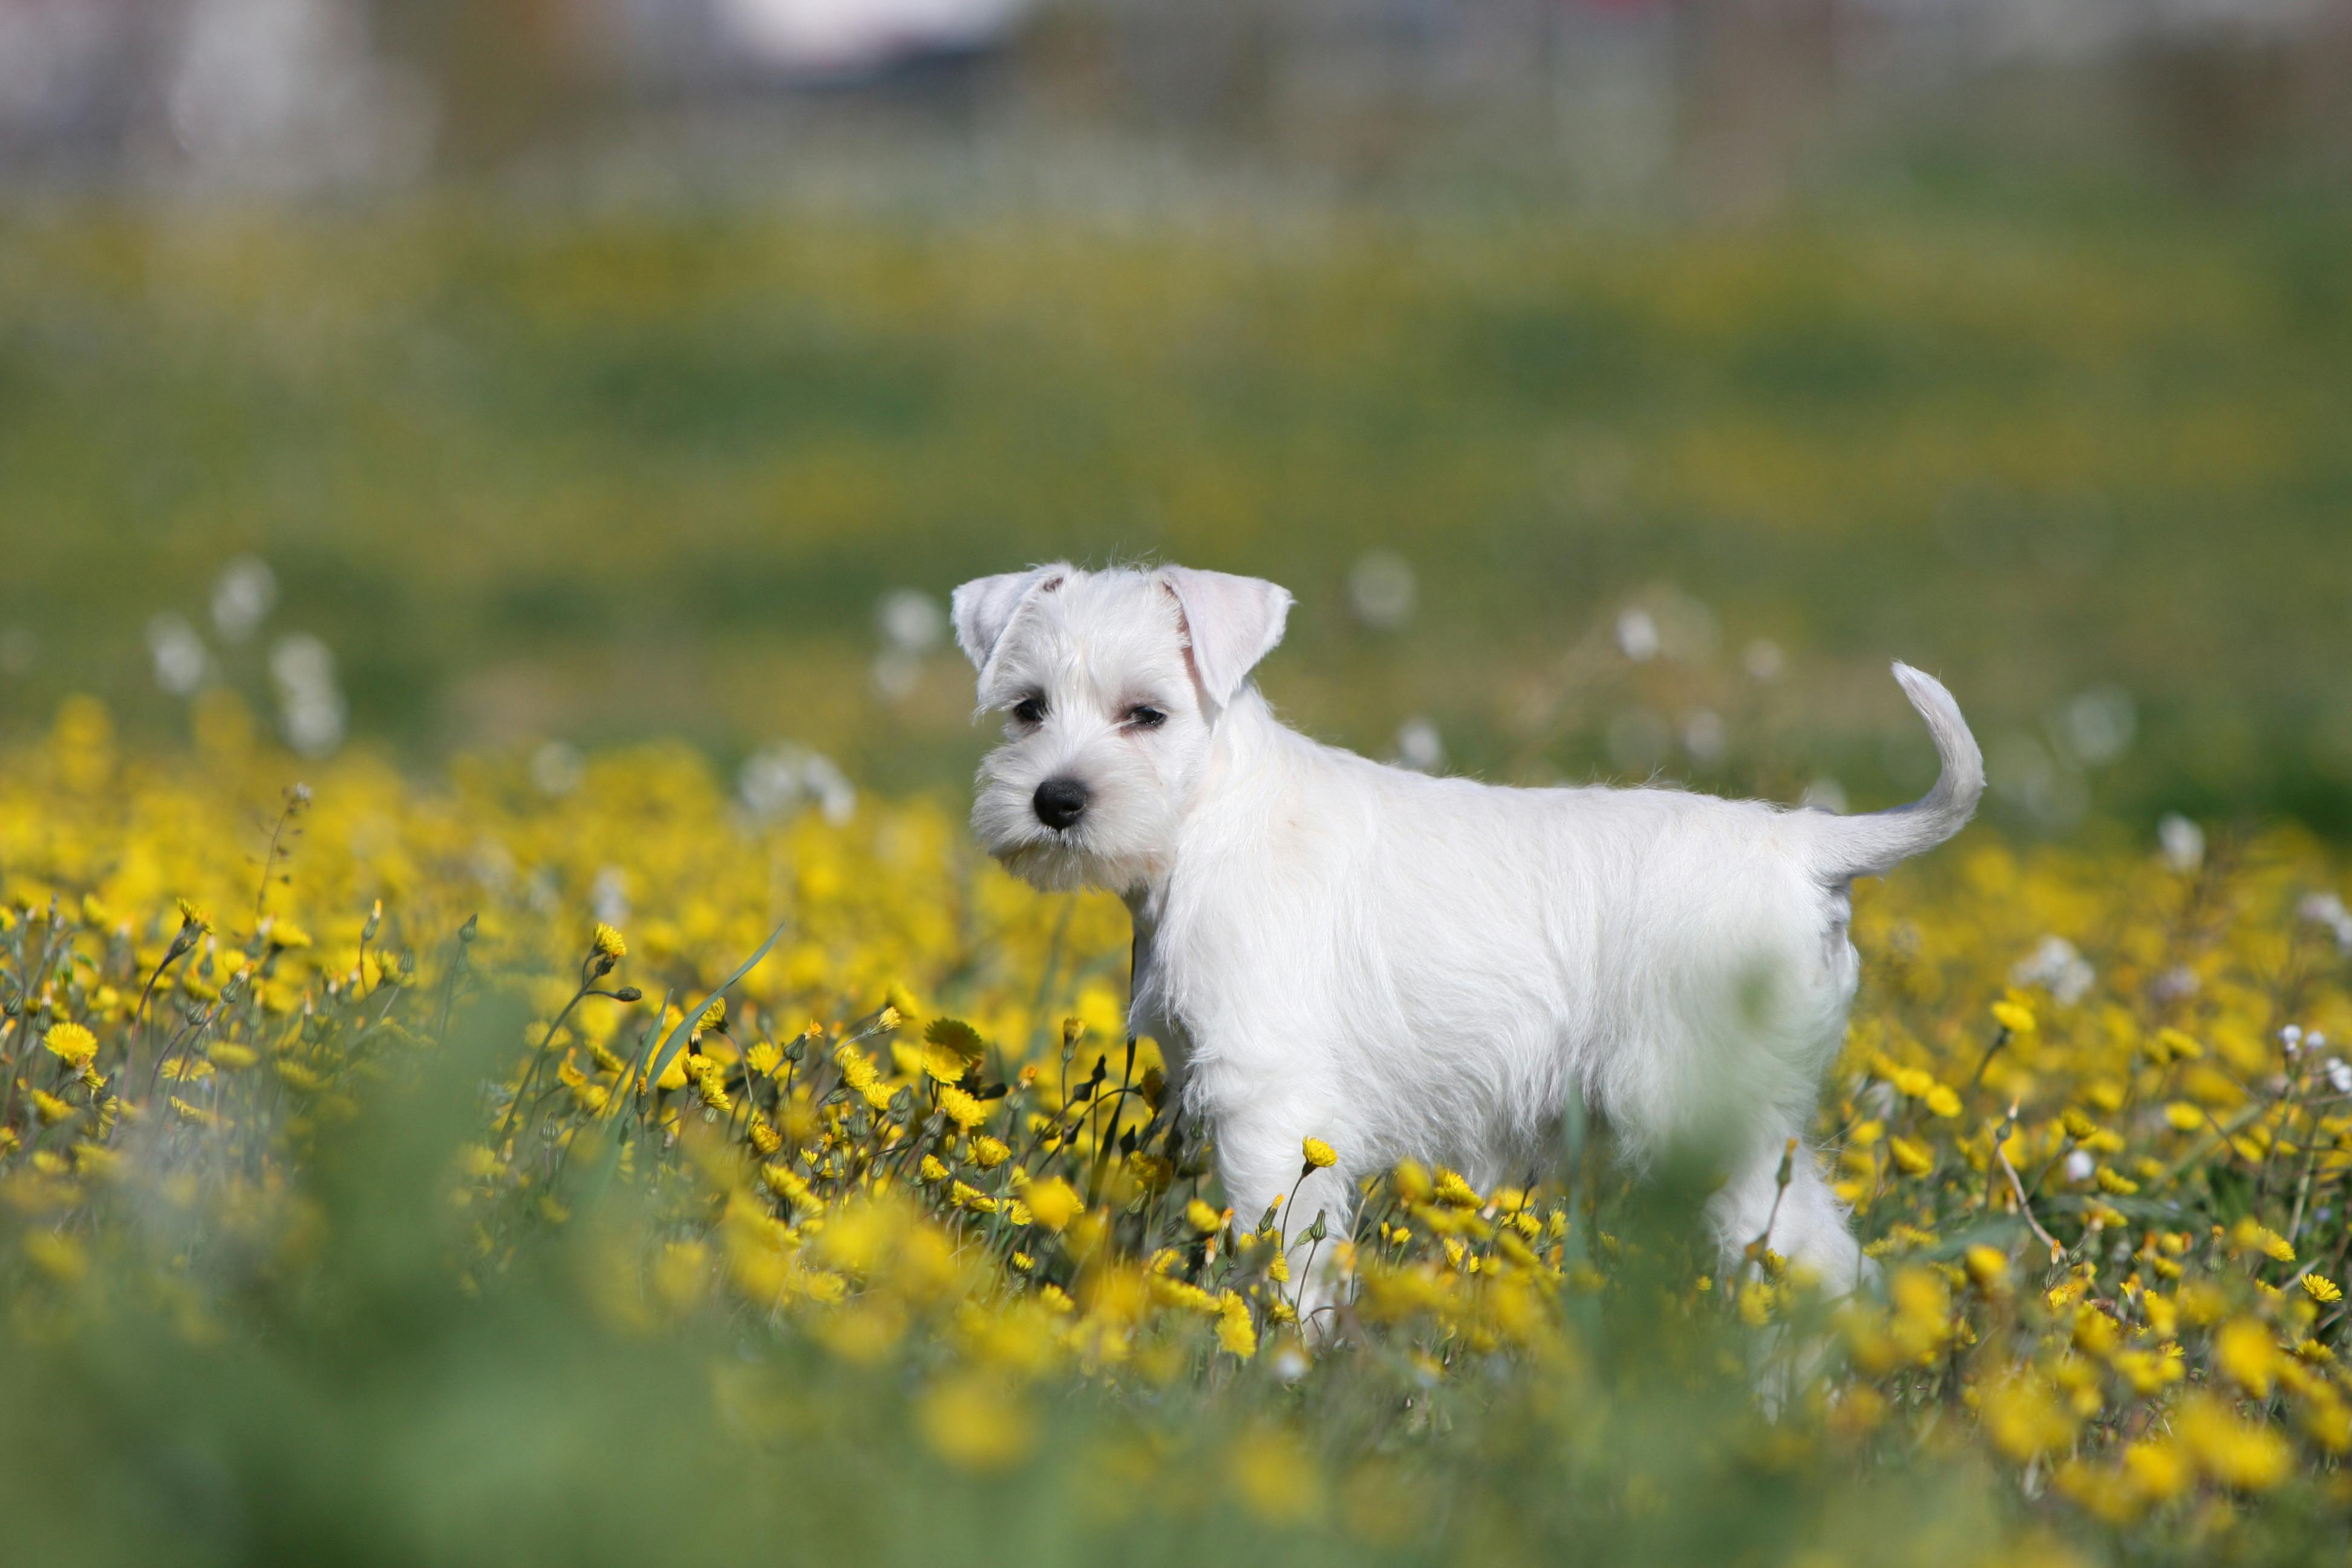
1030,710
1145,717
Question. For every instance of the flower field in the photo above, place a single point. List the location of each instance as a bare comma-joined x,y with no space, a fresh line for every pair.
416,1171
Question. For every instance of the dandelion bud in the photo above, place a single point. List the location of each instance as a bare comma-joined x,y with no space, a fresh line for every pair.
375,922
628,994
467,933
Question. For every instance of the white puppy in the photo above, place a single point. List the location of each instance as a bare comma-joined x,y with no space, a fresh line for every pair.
1430,968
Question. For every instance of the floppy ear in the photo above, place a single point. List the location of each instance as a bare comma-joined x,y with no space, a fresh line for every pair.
1233,622
983,608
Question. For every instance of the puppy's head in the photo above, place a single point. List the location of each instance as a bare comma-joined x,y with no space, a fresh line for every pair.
1111,684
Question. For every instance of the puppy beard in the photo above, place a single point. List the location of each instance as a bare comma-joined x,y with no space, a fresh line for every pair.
1120,842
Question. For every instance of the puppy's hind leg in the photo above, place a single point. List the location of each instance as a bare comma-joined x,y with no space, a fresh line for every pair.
1802,1220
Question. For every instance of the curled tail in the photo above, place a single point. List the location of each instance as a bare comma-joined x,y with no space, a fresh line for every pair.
1870,845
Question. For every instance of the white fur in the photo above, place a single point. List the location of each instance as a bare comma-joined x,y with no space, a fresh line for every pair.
1432,968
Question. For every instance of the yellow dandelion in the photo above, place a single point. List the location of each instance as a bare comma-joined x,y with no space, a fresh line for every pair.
60,1257
1053,1202
1236,1334
1911,1157
966,1110
857,1070
2321,1289
1989,1267
1450,1189
951,1050
1320,1156
2252,1235
974,1422
71,1044
2247,1355
1412,1182
2235,1455
2023,1419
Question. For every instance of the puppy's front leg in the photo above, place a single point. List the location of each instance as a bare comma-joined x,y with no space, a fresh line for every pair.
1261,1159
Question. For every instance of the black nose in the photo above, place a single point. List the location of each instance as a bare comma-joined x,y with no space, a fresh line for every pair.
1060,802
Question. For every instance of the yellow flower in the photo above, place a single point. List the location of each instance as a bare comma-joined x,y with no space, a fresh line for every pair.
1412,1182
1276,1477
965,1111
1452,1189
2023,1420
973,1421
60,1257
1911,1157
193,918
1989,1267
952,1048
1320,1156
2321,1289
1204,1218
2157,1471
990,1152
2237,1456
1053,1202
2013,1017
71,1044
607,945
2252,1235
1236,1334
2245,1352
1943,1102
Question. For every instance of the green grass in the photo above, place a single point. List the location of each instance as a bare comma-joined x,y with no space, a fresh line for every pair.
532,474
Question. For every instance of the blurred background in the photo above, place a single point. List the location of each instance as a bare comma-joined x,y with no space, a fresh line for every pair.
1619,383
